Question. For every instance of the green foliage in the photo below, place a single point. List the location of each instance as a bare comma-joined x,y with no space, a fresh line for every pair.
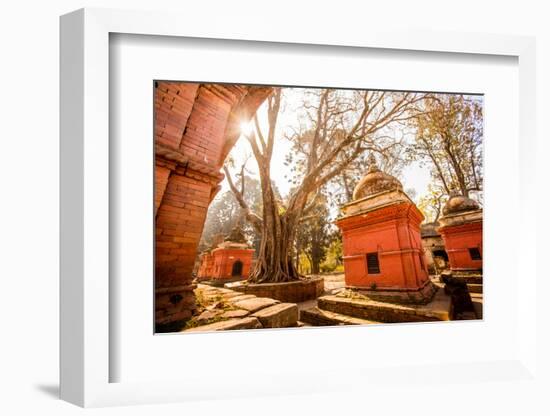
448,140
333,260
224,212
314,235
304,264
432,202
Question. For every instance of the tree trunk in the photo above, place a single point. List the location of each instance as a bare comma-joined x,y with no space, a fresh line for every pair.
315,263
297,257
456,166
275,263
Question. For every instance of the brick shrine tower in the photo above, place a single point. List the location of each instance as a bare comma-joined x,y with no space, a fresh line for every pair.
383,254
461,228
196,125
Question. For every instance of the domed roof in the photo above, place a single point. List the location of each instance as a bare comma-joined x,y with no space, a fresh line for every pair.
375,181
459,203
236,235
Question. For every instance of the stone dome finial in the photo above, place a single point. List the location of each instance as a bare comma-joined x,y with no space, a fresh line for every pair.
459,203
373,167
217,239
375,181
236,235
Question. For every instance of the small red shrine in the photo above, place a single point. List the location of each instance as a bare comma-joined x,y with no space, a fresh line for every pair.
383,254
206,263
461,228
231,260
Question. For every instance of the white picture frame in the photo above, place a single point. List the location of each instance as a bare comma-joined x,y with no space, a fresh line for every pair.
85,302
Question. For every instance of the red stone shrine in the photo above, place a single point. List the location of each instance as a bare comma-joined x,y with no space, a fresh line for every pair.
383,254
230,261
206,265
461,228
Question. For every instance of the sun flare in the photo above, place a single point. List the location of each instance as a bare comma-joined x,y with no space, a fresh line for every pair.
247,127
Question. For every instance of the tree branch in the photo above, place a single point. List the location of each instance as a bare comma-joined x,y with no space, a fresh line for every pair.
252,217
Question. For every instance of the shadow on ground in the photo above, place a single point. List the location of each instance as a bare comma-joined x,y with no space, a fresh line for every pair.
51,390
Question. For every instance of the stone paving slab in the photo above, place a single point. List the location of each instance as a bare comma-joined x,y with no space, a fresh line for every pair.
234,299
228,296
239,313
281,315
207,315
268,312
255,304
230,324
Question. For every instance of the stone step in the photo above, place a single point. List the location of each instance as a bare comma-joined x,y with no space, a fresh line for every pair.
318,317
281,315
254,304
478,305
439,309
230,324
468,277
475,287
476,280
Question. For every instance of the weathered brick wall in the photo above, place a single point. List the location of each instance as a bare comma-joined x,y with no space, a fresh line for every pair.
161,180
195,127
173,104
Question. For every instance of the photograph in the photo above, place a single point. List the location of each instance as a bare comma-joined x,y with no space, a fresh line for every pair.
296,207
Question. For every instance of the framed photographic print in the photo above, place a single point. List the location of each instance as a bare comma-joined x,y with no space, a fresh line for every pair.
250,205
332,236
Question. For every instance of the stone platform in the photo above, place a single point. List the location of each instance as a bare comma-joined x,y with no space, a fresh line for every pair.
422,295
219,282
474,279
297,291
351,308
223,309
319,317
477,301
475,287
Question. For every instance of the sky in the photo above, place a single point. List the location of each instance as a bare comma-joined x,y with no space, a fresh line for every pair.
413,176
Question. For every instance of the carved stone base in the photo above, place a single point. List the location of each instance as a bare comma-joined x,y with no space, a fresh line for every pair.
419,296
173,307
